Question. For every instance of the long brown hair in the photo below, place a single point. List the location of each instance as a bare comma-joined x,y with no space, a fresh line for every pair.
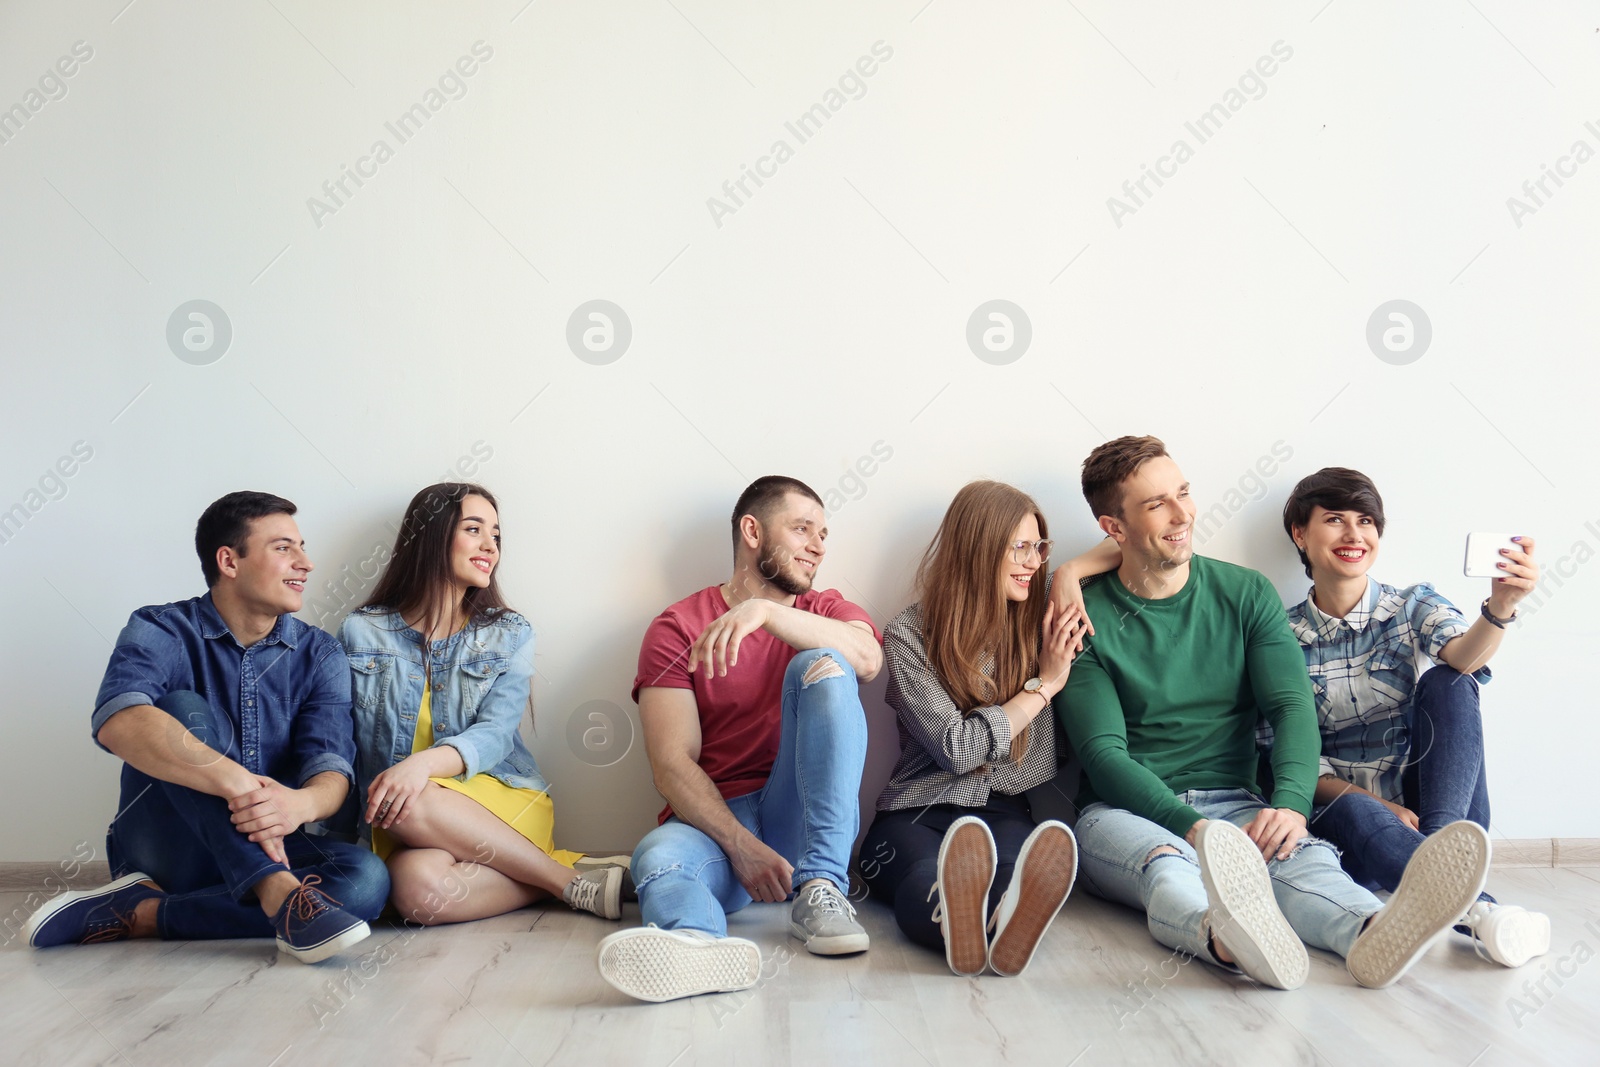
417,580
966,617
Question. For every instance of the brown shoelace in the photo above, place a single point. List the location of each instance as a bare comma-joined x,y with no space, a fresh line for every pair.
118,928
305,901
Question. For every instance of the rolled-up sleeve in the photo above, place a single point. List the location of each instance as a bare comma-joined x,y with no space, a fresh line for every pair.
139,672
324,733
958,743
488,739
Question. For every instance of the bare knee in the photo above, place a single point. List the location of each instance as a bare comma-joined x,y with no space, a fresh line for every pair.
413,829
425,884
822,668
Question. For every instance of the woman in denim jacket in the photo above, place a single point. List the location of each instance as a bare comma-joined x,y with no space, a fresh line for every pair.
441,670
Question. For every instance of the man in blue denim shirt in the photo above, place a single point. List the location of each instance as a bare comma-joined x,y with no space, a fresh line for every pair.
233,722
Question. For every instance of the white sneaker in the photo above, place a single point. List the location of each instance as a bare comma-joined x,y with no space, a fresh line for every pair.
1040,881
649,963
967,859
1443,878
1510,935
1244,914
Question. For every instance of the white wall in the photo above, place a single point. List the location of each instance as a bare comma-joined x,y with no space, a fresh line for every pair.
376,344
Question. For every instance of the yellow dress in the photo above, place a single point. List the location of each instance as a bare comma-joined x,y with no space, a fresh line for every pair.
527,811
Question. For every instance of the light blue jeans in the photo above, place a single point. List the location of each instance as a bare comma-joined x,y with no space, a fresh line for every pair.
808,812
1324,907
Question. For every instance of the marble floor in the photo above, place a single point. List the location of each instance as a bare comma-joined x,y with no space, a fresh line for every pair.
523,989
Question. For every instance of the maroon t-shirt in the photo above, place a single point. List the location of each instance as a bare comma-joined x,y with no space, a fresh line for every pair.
740,714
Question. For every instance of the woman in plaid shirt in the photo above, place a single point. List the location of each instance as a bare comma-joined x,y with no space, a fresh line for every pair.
1402,755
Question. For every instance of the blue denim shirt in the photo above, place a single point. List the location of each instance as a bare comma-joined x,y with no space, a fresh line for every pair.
481,680
288,695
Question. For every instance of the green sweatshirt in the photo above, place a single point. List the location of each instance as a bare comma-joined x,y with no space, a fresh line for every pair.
1165,696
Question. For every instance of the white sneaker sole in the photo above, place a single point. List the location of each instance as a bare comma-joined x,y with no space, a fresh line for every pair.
331,947
1244,913
658,965
1444,877
53,907
1041,880
967,858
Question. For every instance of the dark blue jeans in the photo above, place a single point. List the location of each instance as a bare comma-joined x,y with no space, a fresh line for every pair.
1444,781
184,840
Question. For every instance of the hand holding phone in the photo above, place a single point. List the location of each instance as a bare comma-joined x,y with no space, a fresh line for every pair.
1483,554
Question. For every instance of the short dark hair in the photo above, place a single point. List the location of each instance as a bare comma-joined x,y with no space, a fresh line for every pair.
1111,464
227,522
1333,488
763,495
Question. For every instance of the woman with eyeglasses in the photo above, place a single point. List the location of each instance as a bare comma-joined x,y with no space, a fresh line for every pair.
973,666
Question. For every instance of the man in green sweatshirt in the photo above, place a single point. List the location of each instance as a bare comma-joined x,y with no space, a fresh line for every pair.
1161,708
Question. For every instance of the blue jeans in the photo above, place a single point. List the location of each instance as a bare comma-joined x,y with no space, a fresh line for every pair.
808,812
1444,781
184,840
1323,906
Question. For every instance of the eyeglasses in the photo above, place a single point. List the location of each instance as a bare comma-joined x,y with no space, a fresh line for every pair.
1021,549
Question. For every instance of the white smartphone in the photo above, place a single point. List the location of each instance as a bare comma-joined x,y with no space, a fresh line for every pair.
1483,552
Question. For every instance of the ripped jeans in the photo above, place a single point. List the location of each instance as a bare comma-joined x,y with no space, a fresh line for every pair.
1323,906
808,812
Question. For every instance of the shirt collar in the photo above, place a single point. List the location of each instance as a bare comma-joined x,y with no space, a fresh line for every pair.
212,627
1326,625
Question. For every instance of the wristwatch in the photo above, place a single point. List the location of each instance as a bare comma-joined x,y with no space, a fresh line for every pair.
1036,685
1495,620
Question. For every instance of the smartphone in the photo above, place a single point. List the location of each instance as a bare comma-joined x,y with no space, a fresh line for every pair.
1483,552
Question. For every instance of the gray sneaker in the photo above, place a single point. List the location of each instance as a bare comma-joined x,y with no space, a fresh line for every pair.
825,921
630,895
598,891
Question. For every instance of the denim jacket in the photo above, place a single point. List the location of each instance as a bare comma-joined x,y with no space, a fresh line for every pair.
481,679
287,695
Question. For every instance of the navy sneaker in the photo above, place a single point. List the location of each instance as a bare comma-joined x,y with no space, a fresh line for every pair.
89,916
310,928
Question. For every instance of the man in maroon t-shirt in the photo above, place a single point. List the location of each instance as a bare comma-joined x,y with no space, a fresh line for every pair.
753,723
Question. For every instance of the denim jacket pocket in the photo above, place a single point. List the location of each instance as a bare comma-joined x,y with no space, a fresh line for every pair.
476,679
370,675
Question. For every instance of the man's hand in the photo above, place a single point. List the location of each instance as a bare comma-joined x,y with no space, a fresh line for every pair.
392,791
1521,575
268,813
1276,831
1193,836
1404,814
765,875
718,644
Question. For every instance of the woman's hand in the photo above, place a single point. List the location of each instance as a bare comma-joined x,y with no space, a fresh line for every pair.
1066,596
1404,814
391,792
1520,577
1063,637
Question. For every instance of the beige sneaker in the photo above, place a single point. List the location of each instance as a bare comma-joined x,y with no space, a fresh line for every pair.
967,860
598,891
1040,881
